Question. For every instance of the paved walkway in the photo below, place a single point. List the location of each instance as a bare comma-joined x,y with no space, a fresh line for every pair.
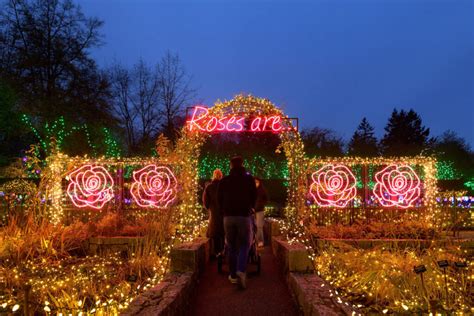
266,294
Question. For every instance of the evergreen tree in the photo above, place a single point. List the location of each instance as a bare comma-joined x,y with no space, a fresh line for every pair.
363,143
405,134
12,135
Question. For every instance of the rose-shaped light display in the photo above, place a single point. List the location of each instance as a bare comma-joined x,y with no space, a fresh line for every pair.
90,186
154,186
397,185
333,186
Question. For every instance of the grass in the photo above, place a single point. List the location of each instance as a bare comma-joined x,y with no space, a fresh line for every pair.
408,229
383,281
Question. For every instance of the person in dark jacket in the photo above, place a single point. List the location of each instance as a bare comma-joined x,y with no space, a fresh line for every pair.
215,229
262,199
237,195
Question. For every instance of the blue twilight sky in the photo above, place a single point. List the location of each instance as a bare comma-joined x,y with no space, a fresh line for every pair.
327,62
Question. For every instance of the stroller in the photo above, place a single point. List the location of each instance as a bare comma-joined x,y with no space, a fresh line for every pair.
254,256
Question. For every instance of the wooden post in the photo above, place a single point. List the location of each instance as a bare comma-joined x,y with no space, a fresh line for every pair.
26,310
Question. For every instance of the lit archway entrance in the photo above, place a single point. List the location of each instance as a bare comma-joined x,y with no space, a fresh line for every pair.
243,113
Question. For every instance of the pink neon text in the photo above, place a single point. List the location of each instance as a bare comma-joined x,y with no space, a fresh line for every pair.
202,121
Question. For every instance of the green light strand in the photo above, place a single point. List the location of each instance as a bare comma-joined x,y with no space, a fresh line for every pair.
57,129
447,171
470,184
111,145
258,166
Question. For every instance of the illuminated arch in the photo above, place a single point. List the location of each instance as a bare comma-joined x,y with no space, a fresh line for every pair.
189,145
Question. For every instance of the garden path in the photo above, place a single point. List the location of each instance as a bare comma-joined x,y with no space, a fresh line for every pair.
266,294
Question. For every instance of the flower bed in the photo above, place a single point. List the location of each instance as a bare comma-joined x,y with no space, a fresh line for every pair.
44,267
382,281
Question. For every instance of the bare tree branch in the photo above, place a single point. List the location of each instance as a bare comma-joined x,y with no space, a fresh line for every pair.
176,92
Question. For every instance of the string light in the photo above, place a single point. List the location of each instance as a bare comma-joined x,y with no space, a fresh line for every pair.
111,145
82,285
446,171
257,165
470,184
59,131
183,160
382,278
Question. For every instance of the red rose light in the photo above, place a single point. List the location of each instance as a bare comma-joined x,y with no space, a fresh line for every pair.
154,186
397,186
90,186
333,186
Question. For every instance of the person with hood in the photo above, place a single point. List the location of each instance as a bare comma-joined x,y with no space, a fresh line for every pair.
215,229
237,195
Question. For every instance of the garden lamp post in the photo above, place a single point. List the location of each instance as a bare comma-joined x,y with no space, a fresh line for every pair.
420,270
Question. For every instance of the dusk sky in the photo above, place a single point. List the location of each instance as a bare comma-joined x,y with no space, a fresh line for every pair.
327,62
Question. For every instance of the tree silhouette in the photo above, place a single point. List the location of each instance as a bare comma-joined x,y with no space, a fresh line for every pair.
322,142
363,143
453,148
405,134
175,93
13,136
44,56
149,100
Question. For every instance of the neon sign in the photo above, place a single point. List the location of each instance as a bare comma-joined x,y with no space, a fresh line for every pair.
90,186
154,186
397,186
201,121
333,186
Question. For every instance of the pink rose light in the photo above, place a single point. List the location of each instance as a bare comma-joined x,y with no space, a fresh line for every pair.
154,186
397,185
333,186
90,186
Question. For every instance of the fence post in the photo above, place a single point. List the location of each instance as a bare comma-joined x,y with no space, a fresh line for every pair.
120,188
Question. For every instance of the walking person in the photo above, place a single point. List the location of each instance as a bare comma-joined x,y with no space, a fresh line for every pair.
215,229
237,195
262,199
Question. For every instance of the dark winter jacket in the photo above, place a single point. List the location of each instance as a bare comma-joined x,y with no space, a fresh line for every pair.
216,220
262,198
237,193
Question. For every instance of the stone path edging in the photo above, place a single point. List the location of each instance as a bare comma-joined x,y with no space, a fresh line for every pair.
171,296
168,298
314,296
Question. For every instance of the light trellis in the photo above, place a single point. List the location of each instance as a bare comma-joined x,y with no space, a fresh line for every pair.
400,168
426,169
88,179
